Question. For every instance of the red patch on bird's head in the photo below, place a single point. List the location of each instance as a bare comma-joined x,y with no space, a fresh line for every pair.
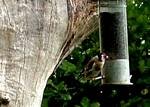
103,56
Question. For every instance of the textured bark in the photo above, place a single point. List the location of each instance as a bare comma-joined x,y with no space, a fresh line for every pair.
35,36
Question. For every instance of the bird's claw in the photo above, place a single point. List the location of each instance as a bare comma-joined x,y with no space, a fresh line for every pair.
100,77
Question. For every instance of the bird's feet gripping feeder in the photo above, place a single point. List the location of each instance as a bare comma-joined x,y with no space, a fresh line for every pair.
113,30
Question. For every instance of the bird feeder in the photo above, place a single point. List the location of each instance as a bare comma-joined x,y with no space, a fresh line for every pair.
114,38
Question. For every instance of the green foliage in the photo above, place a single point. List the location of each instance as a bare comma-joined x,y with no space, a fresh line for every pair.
136,102
66,88
67,67
139,41
85,102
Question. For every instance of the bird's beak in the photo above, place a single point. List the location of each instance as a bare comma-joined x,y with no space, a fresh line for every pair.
107,57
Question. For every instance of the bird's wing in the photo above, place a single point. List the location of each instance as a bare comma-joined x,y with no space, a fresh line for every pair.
90,63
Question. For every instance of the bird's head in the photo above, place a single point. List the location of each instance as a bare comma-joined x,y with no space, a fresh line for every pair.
103,56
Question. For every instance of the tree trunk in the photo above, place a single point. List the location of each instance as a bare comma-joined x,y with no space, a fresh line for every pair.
35,36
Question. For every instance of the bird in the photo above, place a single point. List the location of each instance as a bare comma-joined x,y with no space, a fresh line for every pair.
94,67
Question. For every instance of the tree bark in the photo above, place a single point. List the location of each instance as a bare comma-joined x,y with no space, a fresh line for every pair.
35,36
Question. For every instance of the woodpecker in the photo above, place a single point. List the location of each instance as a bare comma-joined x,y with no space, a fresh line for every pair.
94,67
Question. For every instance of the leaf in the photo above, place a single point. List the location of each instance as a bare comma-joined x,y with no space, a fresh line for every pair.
61,86
67,66
95,104
44,103
146,103
141,65
85,102
66,97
